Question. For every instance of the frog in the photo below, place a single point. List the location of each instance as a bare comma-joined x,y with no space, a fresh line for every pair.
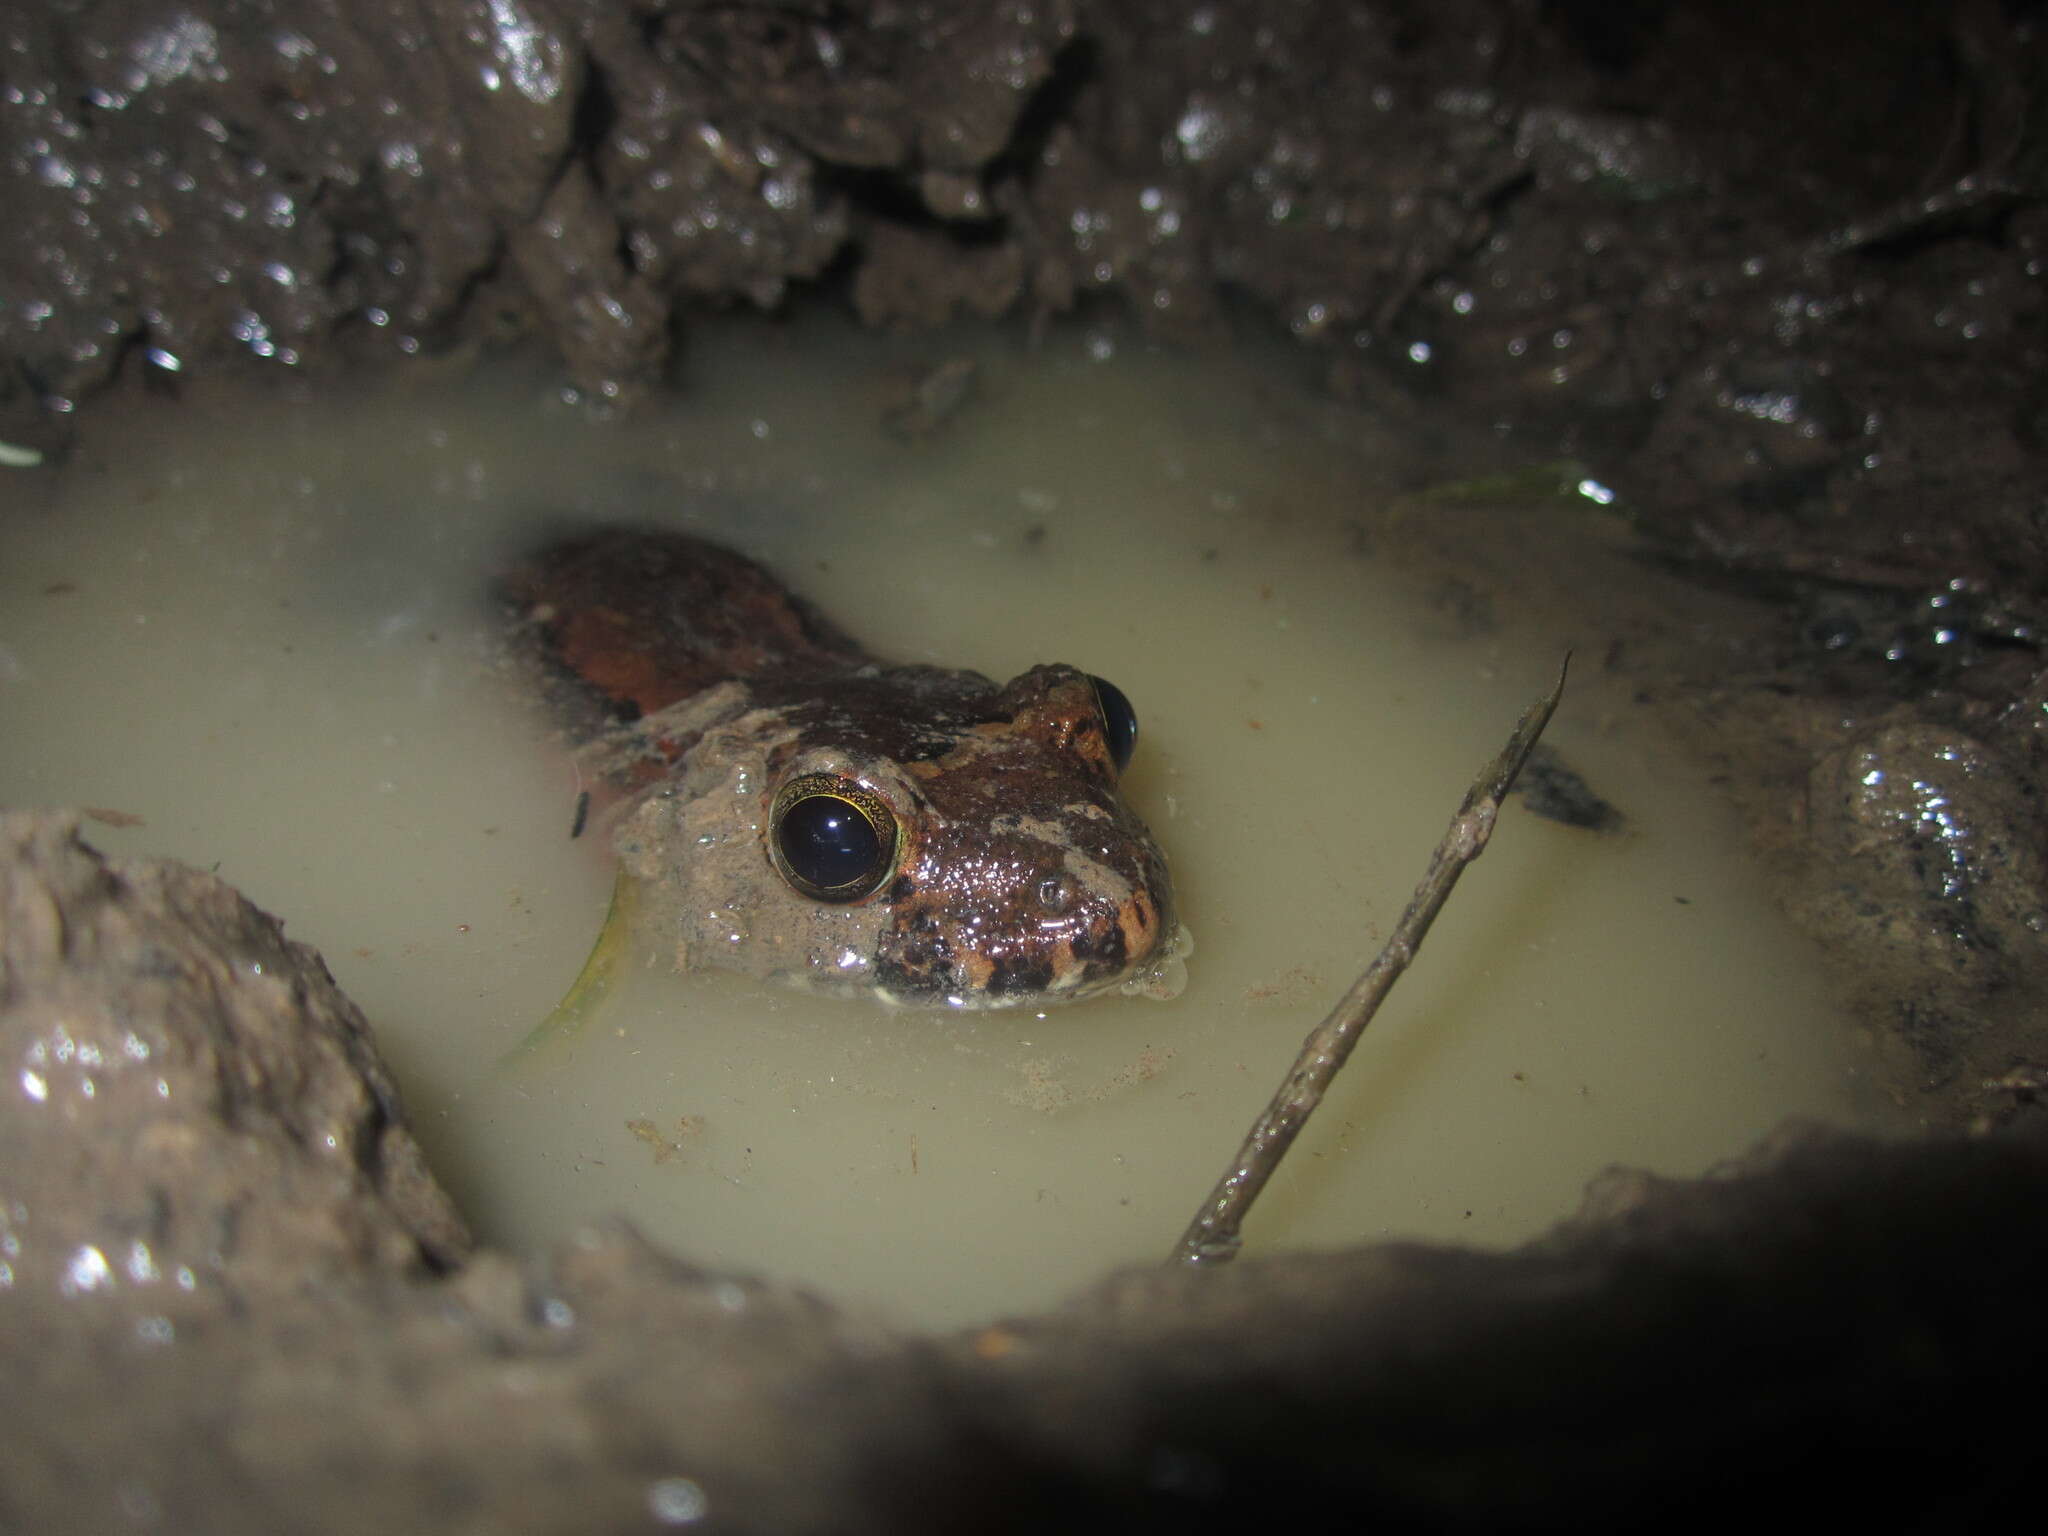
788,806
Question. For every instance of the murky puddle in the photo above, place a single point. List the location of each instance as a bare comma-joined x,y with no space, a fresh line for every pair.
259,627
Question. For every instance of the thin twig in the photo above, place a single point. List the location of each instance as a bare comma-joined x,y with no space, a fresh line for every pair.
1212,1237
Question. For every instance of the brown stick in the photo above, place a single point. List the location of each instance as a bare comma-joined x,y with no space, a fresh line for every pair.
1212,1237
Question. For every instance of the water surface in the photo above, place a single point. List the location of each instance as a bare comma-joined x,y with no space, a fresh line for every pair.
259,625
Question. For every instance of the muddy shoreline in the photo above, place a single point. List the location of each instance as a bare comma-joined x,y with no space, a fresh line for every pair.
1774,281
236,1301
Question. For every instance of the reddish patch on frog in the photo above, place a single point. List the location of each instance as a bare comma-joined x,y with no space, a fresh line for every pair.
643,620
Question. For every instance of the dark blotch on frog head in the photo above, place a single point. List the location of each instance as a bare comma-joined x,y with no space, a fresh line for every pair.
1105,948
1013,976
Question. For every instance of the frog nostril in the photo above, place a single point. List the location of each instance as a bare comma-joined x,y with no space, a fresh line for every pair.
1056,895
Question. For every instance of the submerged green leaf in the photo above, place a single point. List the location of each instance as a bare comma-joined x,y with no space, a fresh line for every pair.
1533,482
593,983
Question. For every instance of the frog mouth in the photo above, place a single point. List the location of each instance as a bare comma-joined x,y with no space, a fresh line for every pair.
927,961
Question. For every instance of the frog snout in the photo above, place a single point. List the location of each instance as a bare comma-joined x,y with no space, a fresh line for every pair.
1024,920
1089,939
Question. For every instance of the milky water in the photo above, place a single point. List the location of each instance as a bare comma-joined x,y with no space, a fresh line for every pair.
260,626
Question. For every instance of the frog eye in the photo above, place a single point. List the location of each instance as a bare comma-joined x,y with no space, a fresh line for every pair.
831,838
1119,720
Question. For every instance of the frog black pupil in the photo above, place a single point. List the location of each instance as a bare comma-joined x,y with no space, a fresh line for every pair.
829,842
1119,720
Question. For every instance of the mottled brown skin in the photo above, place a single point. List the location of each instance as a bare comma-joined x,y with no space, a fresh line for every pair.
1020,877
